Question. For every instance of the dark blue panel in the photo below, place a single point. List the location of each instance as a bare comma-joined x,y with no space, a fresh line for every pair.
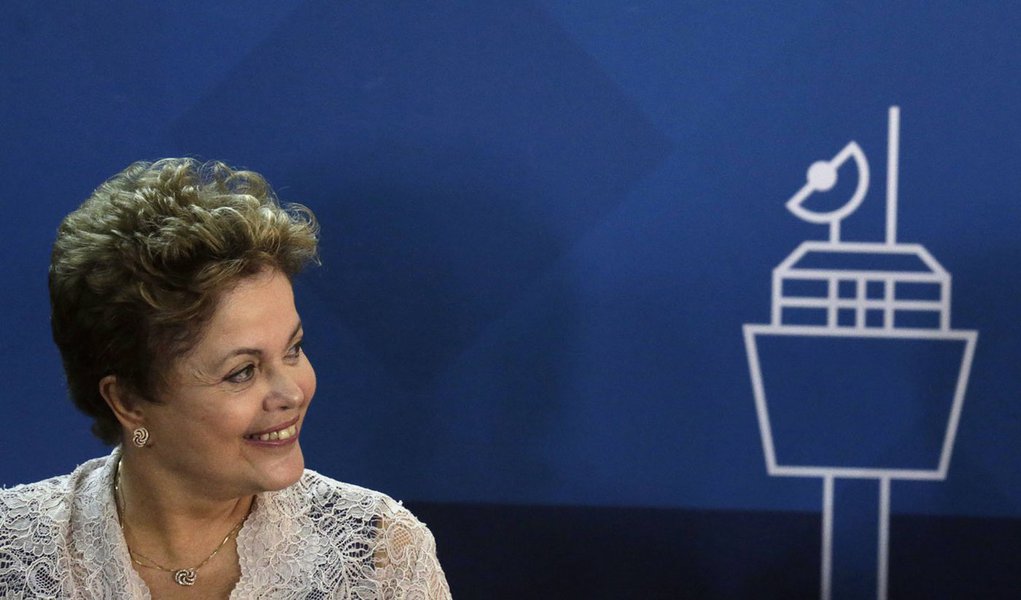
855,539
859,402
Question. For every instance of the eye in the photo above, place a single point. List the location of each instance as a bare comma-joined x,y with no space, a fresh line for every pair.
241,375
295,350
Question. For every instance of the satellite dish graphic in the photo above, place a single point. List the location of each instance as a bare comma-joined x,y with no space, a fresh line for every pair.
822,176
858,375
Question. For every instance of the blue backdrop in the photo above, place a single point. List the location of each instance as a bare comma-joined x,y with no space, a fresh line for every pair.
544,225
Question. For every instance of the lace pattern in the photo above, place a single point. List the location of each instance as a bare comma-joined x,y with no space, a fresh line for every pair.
318,539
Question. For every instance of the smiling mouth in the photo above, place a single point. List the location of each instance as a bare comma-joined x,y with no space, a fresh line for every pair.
280,434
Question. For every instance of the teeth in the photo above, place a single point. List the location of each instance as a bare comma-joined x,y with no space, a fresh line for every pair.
282,434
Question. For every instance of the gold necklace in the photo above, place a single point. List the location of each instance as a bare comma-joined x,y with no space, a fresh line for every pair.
184,576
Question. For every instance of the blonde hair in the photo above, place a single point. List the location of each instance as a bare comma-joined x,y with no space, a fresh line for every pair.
137,270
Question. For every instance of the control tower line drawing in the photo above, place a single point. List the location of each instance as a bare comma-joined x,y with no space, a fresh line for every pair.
859,374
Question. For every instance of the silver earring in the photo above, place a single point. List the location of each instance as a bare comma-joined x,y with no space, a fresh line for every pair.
140,437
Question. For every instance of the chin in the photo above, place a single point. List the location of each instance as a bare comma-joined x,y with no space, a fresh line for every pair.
282,472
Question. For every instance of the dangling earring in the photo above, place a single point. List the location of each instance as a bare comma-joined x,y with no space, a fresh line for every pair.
140,437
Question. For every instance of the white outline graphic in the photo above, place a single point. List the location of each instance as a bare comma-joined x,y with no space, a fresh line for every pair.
822,176
863,303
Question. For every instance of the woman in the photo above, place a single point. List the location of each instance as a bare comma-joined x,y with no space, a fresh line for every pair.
172,307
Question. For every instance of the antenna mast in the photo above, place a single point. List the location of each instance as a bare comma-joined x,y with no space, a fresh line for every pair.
892,161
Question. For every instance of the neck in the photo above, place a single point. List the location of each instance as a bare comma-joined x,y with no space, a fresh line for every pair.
179,523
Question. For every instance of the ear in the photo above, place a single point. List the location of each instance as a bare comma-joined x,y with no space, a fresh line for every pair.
126,406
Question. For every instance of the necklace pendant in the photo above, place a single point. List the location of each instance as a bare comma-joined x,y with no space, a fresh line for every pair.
185,577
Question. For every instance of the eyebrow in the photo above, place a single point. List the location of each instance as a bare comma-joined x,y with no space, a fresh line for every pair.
253,351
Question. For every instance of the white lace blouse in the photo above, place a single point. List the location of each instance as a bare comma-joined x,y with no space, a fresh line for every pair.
317,539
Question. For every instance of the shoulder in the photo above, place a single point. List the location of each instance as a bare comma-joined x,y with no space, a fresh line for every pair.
377,511
46,500
35,520
29,493
32,517
377,530
402,549
59,483
324,492
46,503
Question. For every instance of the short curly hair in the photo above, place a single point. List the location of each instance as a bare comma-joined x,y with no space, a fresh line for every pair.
137,270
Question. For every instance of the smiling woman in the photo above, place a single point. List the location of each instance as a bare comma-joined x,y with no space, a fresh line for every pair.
174,313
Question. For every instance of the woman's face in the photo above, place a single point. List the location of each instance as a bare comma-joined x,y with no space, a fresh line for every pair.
229,421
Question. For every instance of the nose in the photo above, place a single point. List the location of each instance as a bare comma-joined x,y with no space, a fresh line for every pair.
284,392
